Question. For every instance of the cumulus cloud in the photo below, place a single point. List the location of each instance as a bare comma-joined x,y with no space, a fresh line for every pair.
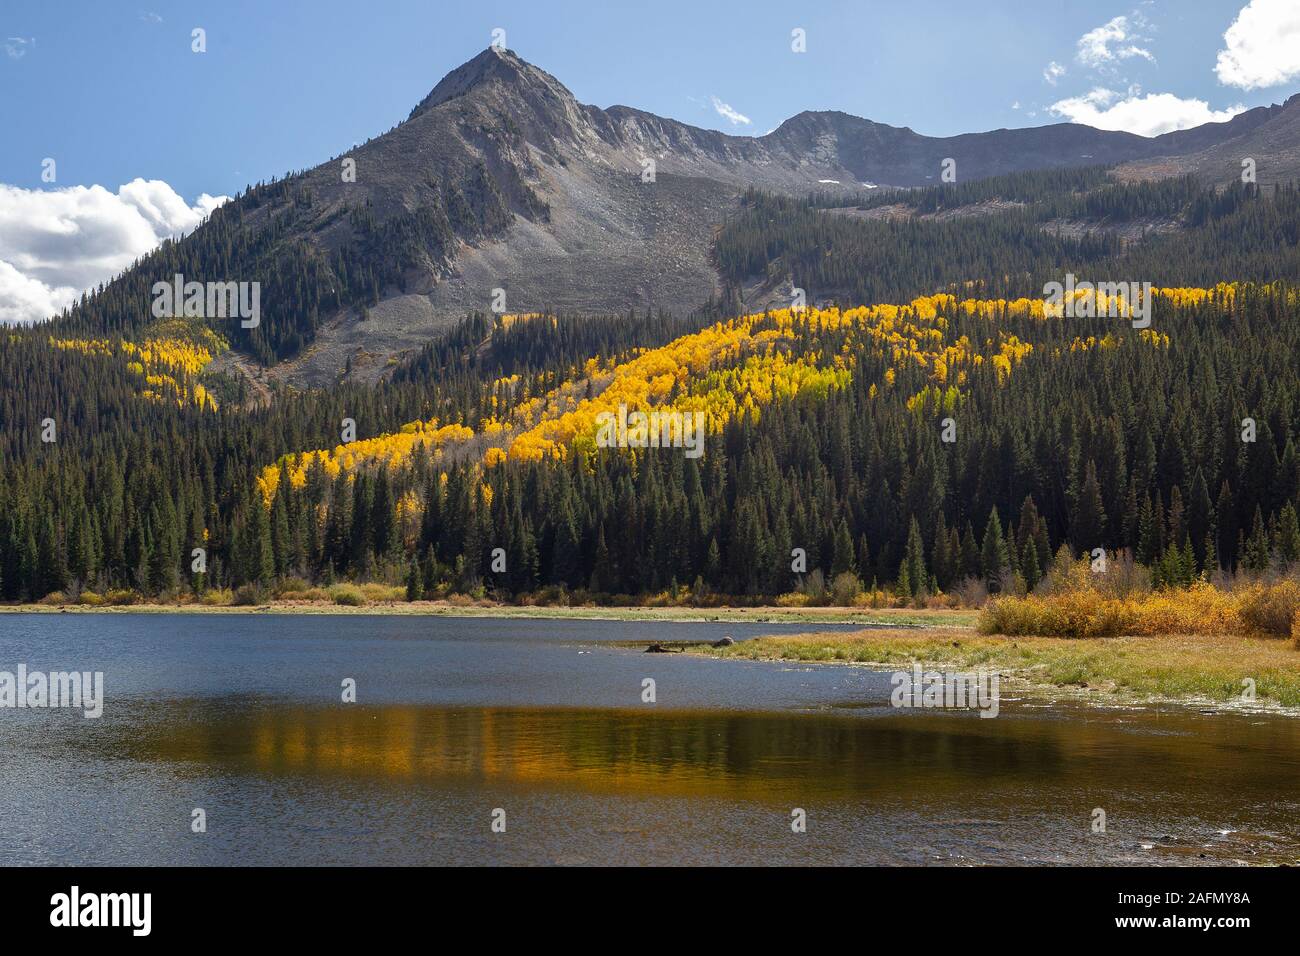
1113,41
1053,72
1262,47
54,244
24,299
1148,115
727,113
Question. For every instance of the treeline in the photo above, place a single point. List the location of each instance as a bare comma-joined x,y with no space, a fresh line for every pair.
128,487
1087,192
483,347
840,253
1118,445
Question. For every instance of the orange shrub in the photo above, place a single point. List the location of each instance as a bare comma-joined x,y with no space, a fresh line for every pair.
1085,612
1270,608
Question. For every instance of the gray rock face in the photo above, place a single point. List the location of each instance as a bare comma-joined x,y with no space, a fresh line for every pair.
545,198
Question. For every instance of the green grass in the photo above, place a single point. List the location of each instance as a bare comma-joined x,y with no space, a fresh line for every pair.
1118,668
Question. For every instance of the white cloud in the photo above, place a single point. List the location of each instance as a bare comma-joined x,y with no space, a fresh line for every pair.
24,299
16,47
1262,45
1053,72
1113,41
727,113
1148,115
56,243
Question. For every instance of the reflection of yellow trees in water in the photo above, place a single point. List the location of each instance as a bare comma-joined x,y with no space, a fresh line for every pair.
936,759
762,756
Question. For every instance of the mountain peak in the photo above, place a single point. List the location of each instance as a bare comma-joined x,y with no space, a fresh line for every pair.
494,66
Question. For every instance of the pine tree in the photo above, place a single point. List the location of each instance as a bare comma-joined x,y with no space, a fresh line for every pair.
941,559
280,543
1200,515
414,581
1088,524
843,559
1256,559
993,553
1225,512
1029,569
1288,536
382,516
600,569
970,553
914,559
1148,543
565,560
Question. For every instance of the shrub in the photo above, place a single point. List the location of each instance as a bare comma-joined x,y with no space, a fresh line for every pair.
1124,577
1086,612
553,595
376,593
661,599
120,596
249,594
217,597
1199,609
874,598
1270,608
91,599
814,585
292,587
972,592
1066,614
348,595
54,597
845,589
1295,630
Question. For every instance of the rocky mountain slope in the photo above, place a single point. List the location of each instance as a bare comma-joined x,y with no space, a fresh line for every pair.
501,180
1274,145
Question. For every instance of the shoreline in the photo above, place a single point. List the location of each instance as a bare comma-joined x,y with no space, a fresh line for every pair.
1119,672
1113,672
726,614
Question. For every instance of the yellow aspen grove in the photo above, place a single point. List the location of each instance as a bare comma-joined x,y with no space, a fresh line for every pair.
731,370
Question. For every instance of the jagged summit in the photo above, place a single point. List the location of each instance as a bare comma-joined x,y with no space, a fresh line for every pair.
501,179
495,66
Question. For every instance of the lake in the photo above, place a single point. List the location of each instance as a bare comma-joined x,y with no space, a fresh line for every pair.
542,723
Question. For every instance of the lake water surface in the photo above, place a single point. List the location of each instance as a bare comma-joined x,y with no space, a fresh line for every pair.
241,715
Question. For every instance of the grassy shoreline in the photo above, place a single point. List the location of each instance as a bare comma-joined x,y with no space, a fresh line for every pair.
767,614
1110,670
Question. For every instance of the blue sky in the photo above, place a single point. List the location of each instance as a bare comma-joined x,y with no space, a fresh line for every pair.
113,92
